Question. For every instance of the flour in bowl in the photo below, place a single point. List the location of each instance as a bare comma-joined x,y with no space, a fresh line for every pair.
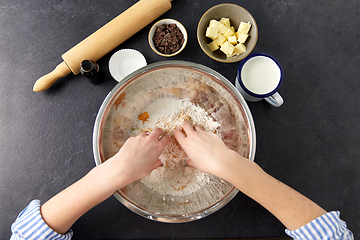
173,177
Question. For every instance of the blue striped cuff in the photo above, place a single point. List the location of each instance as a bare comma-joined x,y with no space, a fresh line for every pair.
30,225
328,226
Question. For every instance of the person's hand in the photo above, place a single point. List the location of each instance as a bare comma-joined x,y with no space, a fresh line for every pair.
139,156
206,151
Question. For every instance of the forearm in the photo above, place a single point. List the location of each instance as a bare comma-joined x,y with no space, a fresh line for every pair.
290,207
61,211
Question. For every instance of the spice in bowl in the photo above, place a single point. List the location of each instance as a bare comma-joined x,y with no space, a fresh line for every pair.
168,38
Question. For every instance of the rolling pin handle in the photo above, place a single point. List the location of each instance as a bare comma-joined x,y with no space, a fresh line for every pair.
49,79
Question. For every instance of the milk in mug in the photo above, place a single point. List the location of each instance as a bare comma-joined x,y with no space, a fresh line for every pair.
260,75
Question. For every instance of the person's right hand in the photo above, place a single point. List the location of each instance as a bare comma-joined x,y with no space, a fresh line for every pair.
206,151
138,157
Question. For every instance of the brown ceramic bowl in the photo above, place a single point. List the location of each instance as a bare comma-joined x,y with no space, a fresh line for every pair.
167,21
236,14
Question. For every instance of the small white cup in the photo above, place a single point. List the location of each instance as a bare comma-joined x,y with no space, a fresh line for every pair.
259,77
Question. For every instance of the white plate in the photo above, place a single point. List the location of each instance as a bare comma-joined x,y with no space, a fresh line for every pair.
124,62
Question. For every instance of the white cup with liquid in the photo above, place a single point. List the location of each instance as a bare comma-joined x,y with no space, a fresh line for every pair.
259,77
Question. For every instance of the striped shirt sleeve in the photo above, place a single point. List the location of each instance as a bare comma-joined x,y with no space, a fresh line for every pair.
328,226
30,225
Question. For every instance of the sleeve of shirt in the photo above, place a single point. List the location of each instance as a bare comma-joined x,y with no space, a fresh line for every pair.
328,226
30,225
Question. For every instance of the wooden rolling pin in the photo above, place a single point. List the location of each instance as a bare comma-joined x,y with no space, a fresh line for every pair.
105,39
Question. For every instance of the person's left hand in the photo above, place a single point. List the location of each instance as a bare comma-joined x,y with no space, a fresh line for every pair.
138,156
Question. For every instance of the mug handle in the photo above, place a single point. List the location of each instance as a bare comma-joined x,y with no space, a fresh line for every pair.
276,100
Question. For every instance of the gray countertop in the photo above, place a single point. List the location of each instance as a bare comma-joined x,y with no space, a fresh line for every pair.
311,143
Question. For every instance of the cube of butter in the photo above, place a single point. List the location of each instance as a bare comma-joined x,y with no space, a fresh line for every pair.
239,49
220,39
227,48
211,32
228,33
213,46
222,28
214,23
244,27
225,21
242,38
232,40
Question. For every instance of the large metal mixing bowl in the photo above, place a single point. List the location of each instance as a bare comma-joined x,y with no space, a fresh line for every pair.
133,92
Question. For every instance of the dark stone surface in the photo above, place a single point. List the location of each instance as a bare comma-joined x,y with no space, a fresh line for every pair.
311,143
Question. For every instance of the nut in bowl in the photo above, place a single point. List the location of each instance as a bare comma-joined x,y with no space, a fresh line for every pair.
167,37
227,33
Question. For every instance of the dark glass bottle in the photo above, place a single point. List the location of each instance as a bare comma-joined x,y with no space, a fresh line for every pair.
90,70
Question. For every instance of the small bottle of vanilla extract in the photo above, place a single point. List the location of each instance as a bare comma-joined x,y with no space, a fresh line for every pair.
90,70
